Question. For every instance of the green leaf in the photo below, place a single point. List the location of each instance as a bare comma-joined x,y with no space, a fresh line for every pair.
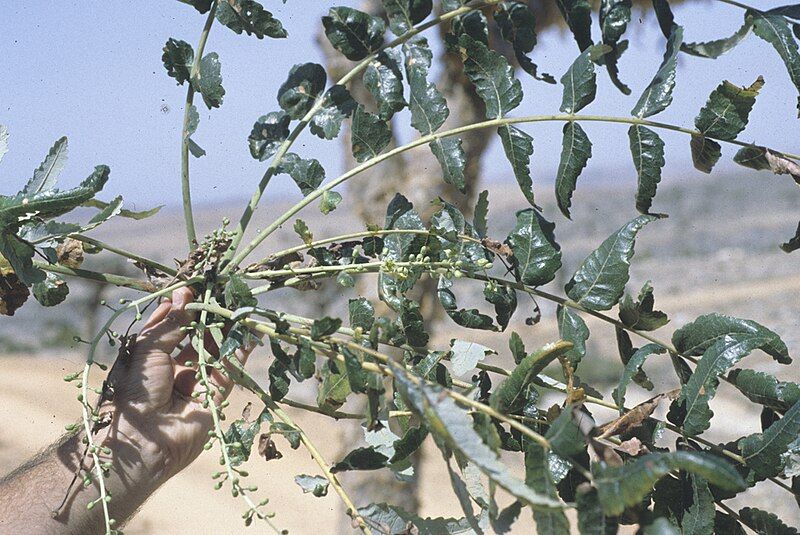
640,315
580,82
774,29
362,314
699,518
361,459
658,94
509,396
307,174
50,203
130,214
196,150
238,294
413,323
714,49
537,256
764,159
517,25
404,14
241,434
251,17
316,485
504,299
591,518
492,77
565,436
370,135
452,428
763,451
305,84
330,200
614,18
469,318
427,105
178,58
695,337
268,133
45,176
599,282
352,32
337,105
726,113
479,219
647,150
51,291
384,80
539,478
20,256
200,5
324,327
632,367
208,81
764,522
578,16
393,520
572,328
794,243
335,386
661,526
705,152
466,355
518,147
451,157
576,149
690,410
624,486
765,389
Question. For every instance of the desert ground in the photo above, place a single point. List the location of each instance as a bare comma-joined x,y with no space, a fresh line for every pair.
718,251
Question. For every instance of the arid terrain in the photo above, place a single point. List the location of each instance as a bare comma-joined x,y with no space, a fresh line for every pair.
718,251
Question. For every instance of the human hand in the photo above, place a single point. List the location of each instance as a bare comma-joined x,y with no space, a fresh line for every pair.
158,427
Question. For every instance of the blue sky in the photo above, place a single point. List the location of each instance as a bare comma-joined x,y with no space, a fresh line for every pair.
92,71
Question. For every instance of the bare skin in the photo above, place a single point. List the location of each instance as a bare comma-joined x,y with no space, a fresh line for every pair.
157,430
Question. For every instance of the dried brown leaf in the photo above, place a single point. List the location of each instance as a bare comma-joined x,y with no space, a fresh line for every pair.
70,253
267,448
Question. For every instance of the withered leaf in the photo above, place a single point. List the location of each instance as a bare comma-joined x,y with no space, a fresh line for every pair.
267,448
631,419
70,253
497,247
13,293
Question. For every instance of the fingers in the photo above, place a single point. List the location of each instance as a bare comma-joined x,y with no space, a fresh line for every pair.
163,329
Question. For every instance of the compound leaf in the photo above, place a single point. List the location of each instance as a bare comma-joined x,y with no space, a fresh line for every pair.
599,282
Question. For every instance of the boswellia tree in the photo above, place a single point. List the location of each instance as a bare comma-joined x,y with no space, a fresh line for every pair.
623,468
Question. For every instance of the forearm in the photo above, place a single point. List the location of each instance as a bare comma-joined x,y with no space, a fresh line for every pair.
31,495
